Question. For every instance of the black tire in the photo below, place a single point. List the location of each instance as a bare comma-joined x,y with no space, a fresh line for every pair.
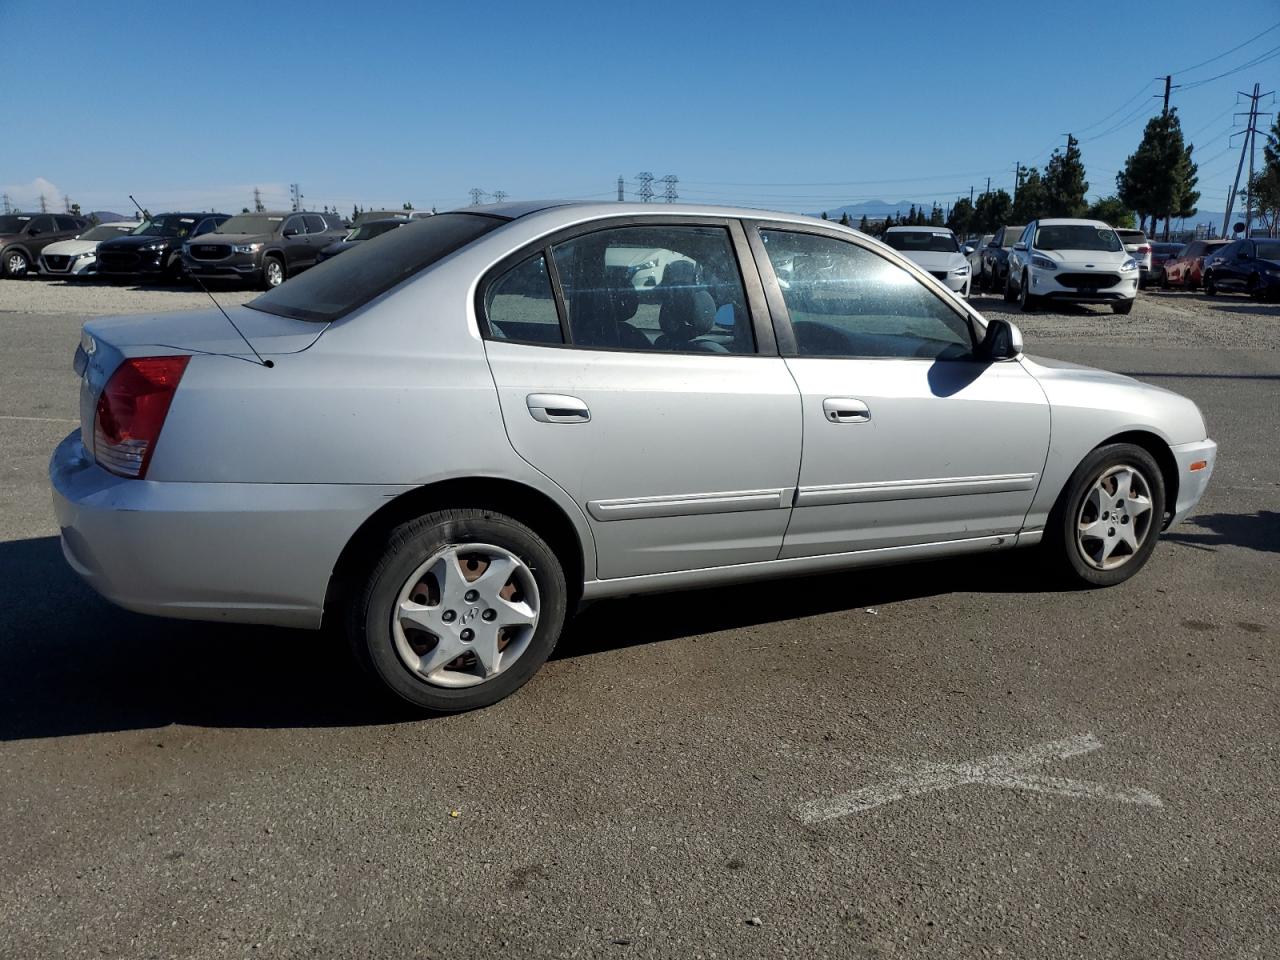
1210,288
1027,301
405,549
15,265
1253,289
1061,544
1122,307
271,277
1009,295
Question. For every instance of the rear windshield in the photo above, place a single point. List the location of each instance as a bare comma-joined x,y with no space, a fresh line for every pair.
922,240
337,286
1268,249
1132,236
1062,236
13,224
1011,235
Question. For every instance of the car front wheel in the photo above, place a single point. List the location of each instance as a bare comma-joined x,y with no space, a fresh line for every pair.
272,273
1122,306
1026,300
16,264
1010,295
1106,523
460,610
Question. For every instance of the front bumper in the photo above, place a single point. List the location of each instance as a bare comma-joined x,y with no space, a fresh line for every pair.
1192,483
236,552
74,268
238,266
143,263
1044,283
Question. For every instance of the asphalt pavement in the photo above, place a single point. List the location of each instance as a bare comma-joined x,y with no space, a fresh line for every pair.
940,760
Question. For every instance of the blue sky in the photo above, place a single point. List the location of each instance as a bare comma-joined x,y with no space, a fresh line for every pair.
799,106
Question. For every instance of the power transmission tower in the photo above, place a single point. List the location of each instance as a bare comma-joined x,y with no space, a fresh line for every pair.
66,203
295,193
257,201
669,192
4,201
499,196
476,194
645,193
1246,148
44,205
619,188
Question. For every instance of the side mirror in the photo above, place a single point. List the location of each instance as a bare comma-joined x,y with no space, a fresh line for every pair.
1003,340
291,232
966,250
1019,245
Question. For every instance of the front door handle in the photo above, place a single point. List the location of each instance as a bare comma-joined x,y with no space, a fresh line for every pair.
557,408
845,410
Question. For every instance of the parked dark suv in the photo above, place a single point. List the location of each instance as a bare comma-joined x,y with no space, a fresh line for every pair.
264,248
24,235
995,258
154,250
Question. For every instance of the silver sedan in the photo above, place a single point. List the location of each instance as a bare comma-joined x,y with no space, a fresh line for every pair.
448,438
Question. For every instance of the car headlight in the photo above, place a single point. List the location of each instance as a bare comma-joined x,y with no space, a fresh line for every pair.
246,247
961,271
1129,266
153,246
1044,263
81,256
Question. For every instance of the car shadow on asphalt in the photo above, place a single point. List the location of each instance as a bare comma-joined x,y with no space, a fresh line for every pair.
71,663
1254,531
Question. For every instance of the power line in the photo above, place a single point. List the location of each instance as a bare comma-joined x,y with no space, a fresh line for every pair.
1261,58
1203,63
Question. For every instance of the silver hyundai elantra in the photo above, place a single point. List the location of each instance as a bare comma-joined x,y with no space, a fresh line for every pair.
448,438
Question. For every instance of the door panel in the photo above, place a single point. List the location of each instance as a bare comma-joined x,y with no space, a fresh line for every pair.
948,449
679,461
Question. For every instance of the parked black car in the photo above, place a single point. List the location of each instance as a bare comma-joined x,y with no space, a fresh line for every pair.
360,233
995,258
1245,266
263,248
154,250
24,235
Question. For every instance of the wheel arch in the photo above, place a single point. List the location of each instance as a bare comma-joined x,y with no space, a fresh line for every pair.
525,503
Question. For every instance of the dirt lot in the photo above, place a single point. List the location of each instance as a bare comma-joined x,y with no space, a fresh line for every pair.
942,760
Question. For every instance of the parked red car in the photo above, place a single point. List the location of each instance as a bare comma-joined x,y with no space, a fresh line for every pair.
1187,269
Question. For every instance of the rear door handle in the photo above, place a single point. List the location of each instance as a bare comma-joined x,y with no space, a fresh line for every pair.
845,410
557,408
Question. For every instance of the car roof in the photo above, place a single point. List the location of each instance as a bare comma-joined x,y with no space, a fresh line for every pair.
1072,222
919,230
574,211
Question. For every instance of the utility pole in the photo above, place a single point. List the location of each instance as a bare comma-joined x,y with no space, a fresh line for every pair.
295,193
476,194
1017,178
645,193
1246,147
619,188
44,206
1168,87
257,201
971,195
988,184
669,193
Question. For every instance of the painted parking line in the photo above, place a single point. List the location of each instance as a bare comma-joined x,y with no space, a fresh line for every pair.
39,419
1010,771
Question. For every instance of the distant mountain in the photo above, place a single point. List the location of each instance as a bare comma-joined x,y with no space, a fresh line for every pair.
873,209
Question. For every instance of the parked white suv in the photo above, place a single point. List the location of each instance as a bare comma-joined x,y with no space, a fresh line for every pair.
936,250
1078,261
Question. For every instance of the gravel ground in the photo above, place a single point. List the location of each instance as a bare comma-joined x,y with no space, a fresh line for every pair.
175,789
96,298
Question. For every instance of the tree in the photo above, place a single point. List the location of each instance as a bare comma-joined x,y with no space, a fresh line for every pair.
74,210
935,216
824,215
1064,182
244,209
862,224
961,220
1112,210
408,205
1032,200
1158,179
844,219
993,209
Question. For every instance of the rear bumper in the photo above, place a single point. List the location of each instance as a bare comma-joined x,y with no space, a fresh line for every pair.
1192,483
235,552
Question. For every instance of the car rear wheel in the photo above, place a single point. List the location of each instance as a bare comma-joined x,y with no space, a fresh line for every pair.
1105,525
1210,288
1253,289
1122,306
1010,295
16,264
460,610
273,273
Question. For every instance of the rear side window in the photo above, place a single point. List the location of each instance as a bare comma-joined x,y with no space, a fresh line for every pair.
520,305
315,223
68,223
339,285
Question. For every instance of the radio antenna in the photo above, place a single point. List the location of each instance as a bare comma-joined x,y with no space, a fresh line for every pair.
200,283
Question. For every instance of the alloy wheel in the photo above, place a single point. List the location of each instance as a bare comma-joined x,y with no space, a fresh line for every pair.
465,615
275,273
1115,517
16,265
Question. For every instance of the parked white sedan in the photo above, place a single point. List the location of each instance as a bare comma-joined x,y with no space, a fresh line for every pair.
78,257
936,250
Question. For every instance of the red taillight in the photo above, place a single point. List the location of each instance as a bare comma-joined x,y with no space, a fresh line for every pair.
131,412
1144,249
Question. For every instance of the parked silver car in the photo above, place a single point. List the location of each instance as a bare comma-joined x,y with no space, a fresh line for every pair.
450,436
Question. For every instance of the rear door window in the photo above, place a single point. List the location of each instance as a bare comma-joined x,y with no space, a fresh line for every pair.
520,305
315,223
